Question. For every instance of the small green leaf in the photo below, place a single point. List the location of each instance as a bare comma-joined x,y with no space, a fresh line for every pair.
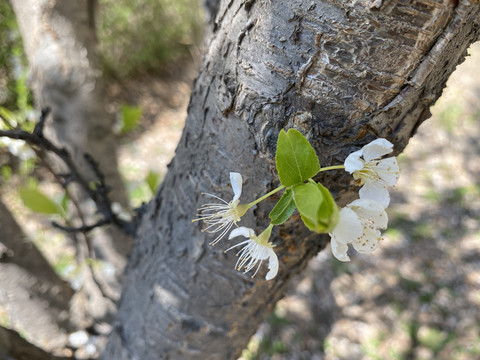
295,159
317,208
6,171
328,210
39,202
153,180
308,199
130,116
8,115
283,209
64,202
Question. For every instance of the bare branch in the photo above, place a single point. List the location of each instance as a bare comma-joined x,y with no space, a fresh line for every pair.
98,193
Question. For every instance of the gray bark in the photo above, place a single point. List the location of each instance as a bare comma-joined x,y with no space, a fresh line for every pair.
60,43
343,73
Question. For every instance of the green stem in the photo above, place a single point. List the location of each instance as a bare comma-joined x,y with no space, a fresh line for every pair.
332,168
249,205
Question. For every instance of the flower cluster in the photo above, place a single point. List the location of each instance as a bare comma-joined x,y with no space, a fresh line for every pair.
359,223
220,217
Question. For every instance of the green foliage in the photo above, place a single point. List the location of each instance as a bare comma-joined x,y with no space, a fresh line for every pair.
283,209
313,207
129,118
153,180
142,35
38,202
14,91
297,162
295,159
327,210
6,171
63,263
317,208
307,198
432,338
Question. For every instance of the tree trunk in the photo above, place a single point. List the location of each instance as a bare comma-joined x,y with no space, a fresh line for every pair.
60,43
343,73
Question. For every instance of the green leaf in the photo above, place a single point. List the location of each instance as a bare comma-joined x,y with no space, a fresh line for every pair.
308,199
64,202
153,180
6,171
283,209
317,207
8,115
39,202
328,210
295,159
130,116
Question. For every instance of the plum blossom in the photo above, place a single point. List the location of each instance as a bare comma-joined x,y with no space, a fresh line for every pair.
220,217
371,172
358,225
256,249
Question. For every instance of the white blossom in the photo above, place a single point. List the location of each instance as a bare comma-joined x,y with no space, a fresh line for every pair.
220,217
371,172
256,249
358,224
18,148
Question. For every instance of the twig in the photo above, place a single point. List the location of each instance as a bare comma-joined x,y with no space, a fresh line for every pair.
99,194
83,228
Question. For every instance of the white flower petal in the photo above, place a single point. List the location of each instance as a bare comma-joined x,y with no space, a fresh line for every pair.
244,231
376,192
353,162
272,264
348,226
371,211
236,181
368,242
339,250
388,170
376,149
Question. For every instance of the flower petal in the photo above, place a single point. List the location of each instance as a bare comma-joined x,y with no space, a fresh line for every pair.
388,170
368,242
244,231
353,162
371,211
236,181
272,264
339,250
376,192
348,227
376,149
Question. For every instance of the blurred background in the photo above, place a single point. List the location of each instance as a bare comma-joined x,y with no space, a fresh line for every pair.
415,298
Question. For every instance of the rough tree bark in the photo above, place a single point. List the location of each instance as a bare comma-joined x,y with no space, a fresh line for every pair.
61,47
342,72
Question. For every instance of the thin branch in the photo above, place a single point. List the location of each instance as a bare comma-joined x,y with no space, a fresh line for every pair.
99,194
83,228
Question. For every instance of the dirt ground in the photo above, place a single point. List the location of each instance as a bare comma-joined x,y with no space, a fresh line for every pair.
415,298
